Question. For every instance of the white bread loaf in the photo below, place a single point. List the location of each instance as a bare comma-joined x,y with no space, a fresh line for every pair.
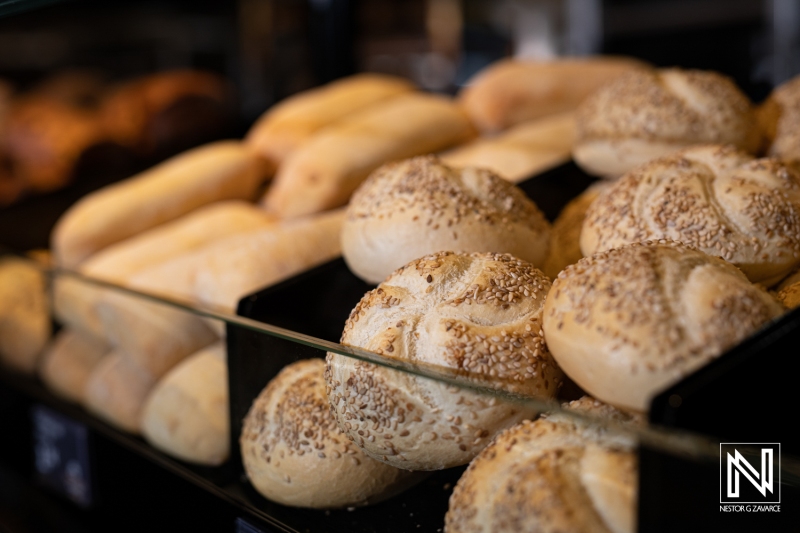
288,124
68,361
477,315
522,151
324,171
218,171
294,453
565,243
116,391
627,323
24,313
187,415
75,303
419,206
510,92
646,114
717,199
553,474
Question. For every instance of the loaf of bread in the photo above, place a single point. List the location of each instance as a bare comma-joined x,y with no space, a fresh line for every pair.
187,415
717,199
565,243
68,361
76,302
294,453
325,170
510,92
419,206
521,152
116,391
550,475
778,116
24,313
219,171
477,315
648,113
627,323
287,125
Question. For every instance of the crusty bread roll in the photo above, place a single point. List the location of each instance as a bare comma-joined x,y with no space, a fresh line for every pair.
478,315
565,243
287,125
186,415
521,152
24,313
294,453
420,206
68,362
626,323
218,171
75,303
325,170
646,114
789,295
778,116
512,91
549,475
116,391
717,199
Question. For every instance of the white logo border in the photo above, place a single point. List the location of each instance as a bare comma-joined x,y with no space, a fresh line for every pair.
721,459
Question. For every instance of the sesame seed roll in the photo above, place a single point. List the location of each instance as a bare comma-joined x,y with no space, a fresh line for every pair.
649,113
477,315
626,323
420,206
295,454
714,198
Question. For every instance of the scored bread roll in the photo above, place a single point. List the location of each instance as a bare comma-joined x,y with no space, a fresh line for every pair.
288,124
565,243
116,391
420,206
24,313
218,171
778,116
626,323
646,114
294,453
68,362
325,170
512,91
715,198
521,152
75,302
552,474
477,315
186,415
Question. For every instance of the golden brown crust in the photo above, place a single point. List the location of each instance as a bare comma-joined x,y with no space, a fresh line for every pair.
665,109
625,323
295,454
411,208
715,198
779,115
476,315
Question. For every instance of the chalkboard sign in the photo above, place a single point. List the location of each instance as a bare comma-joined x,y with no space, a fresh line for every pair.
61,454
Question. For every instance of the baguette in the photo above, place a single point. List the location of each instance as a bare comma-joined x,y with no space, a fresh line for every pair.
68,362
218,171
324,172
284,127
511,91
522,151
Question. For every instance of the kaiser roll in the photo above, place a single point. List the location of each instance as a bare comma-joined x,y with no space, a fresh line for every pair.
420,206
477,315
717,199
295,454
645,114
779,115
626,323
